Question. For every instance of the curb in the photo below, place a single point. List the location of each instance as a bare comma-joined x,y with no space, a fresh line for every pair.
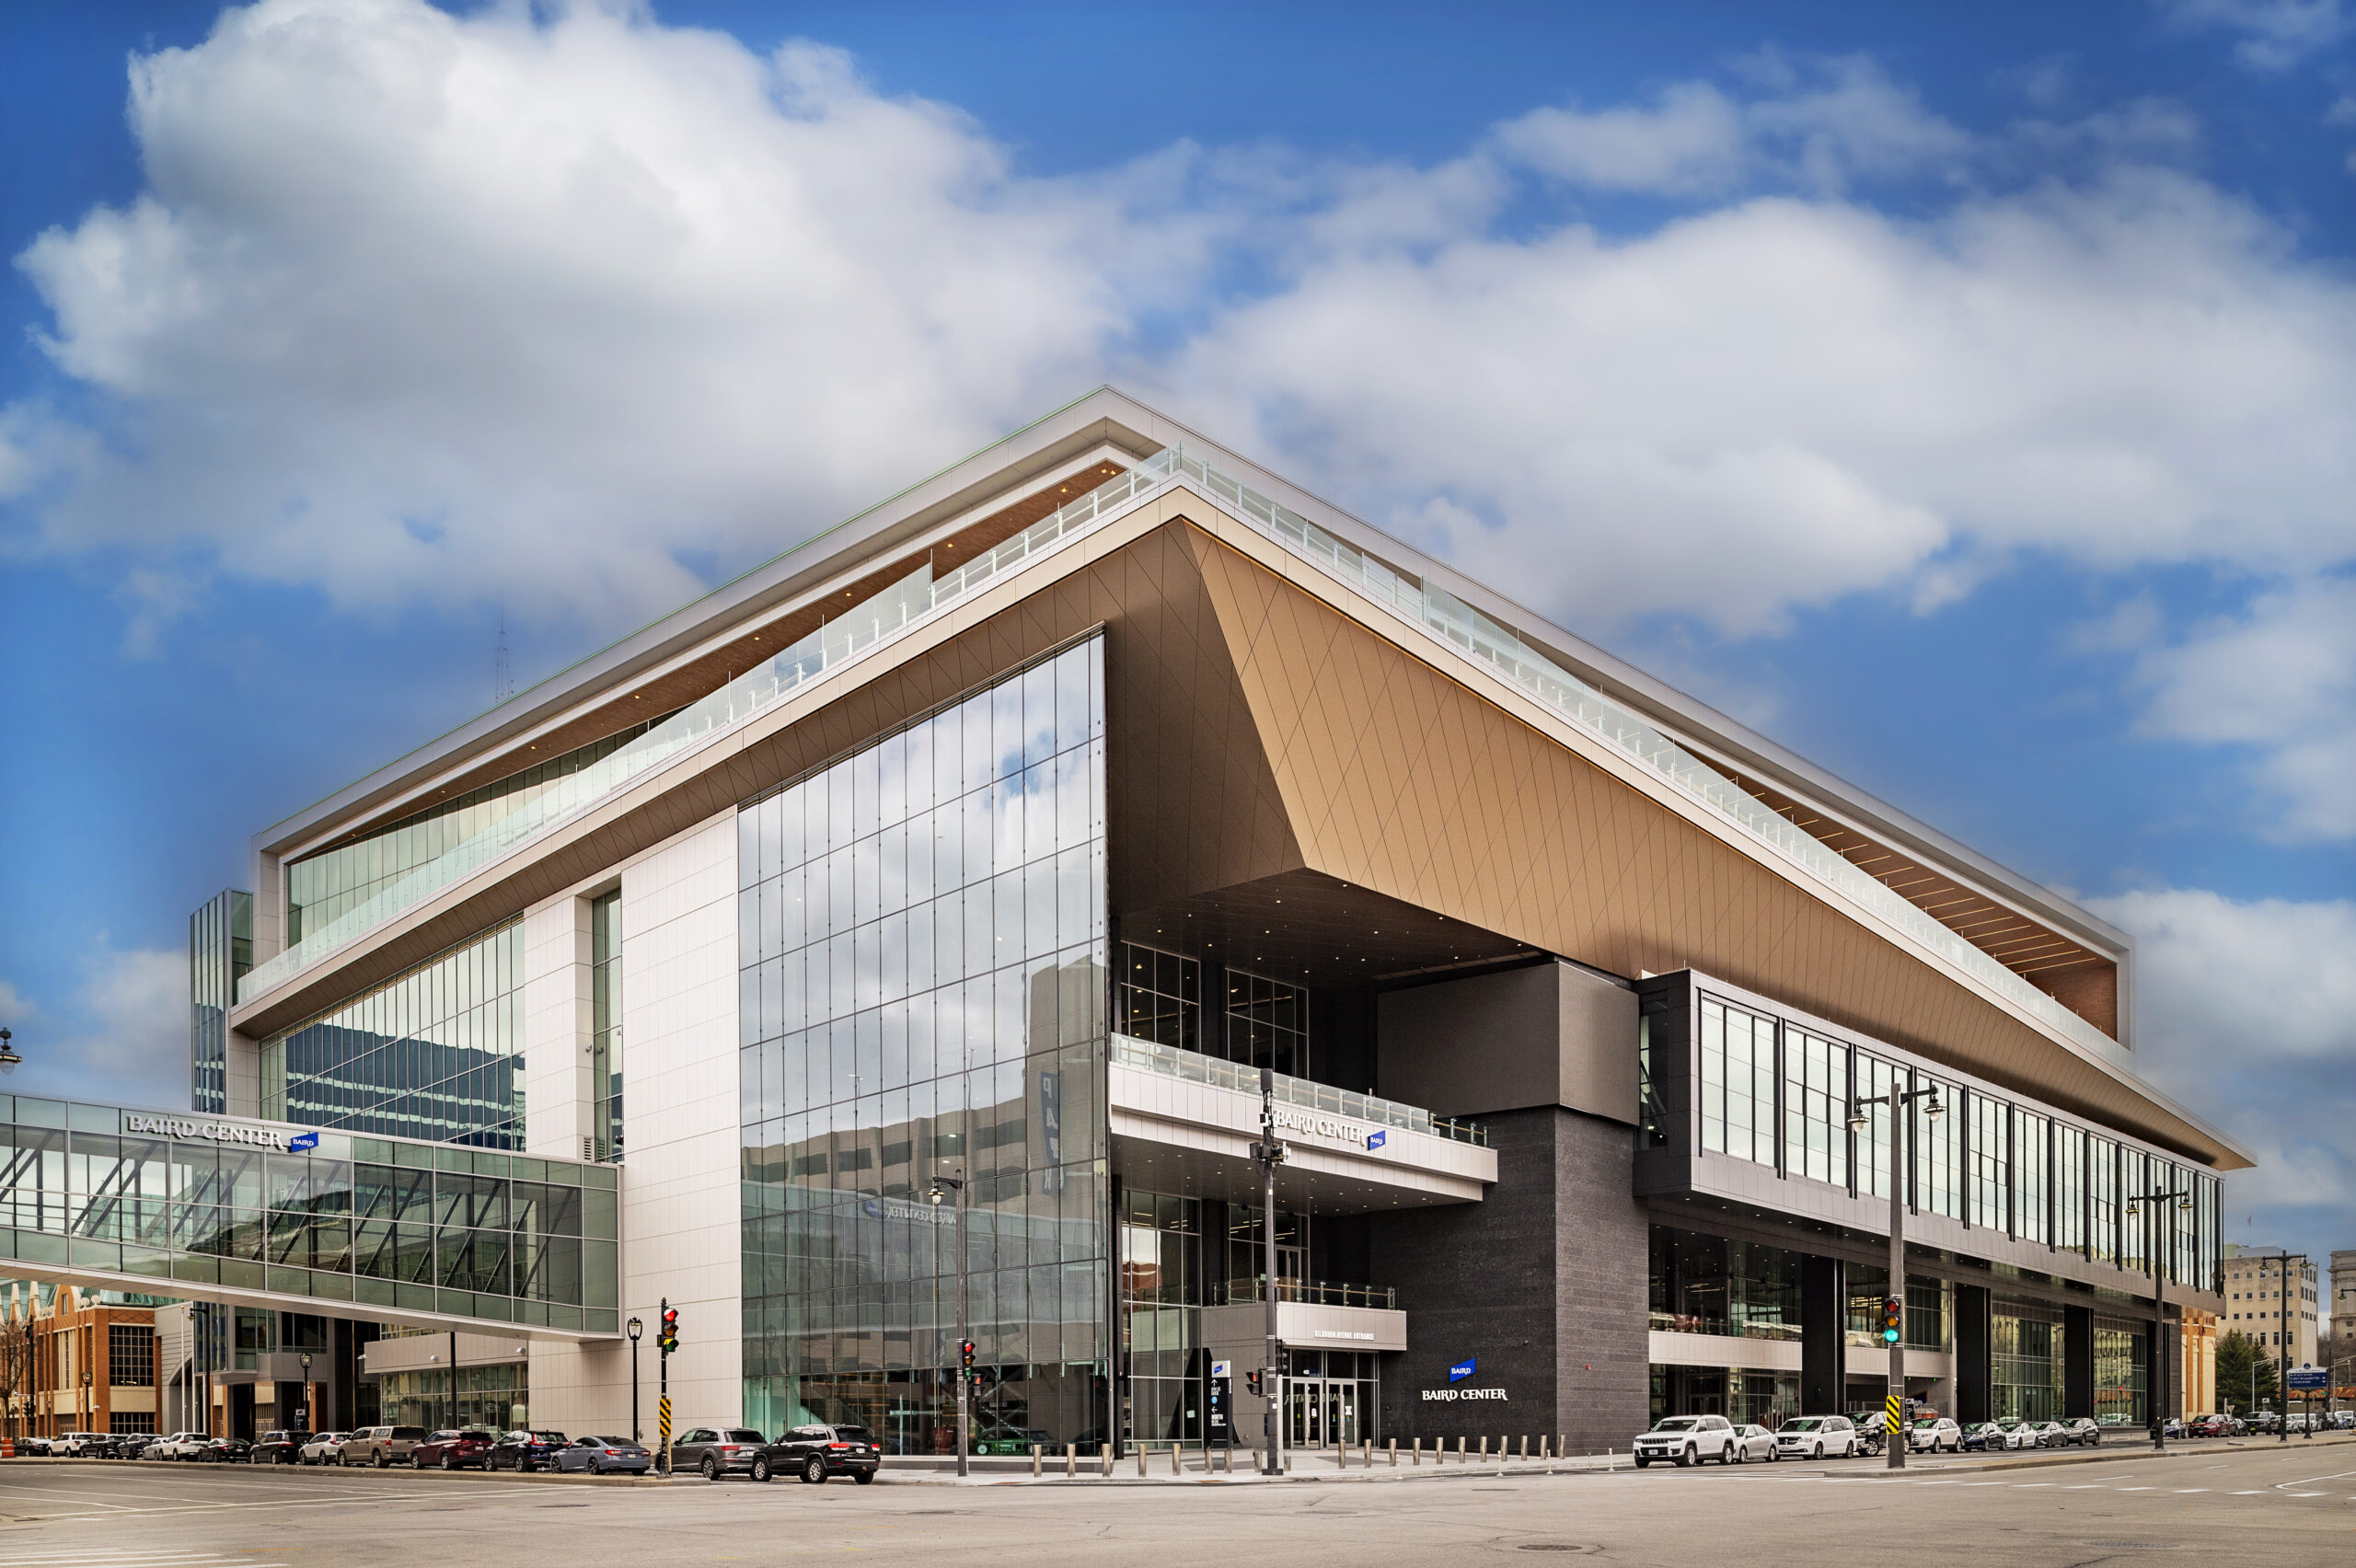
532,1478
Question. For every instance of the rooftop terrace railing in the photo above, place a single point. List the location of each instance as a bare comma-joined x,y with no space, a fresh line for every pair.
1424,605
1312,1293
1196,1068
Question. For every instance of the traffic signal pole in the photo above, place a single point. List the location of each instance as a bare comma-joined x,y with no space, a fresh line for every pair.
1894,1406
954,1186
1270,1154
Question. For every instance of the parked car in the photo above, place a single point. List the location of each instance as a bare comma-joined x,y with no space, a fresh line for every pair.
129,1445
32,1447
280,1448
1753,1442
225,1451
2212,1427
2345,1420
526,1450
1985,1437
2048,1434
1818,1437
717,1451
1932,1434
178,1446
605,1456
1872,1431
1687,1440
381,1445
454,1447
323,1448
71,1444
818,1453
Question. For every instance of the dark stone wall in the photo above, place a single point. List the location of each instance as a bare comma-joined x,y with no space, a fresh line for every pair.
1824,1315
2077,1362
1543,1284
1975,1368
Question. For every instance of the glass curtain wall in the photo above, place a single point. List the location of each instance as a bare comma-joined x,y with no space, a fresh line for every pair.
1738,1082
1709,1285
1267,1024
220,951
1876,1080
2069,1188
499,1397
1938,1150
2031,1155
435,1054
2119,1352
605,1025
2028,1348
1161,1302
320,887
925,989
1159,998
1990,1161
2102,1188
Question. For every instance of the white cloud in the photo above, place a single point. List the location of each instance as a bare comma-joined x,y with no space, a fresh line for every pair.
2247,1011
2280,679
121,1039
2274,35
1778,401
416,301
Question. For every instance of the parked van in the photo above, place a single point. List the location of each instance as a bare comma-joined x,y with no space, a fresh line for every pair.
381,1445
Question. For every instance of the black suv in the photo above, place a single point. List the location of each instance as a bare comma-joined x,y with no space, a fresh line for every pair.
526,1450
818,1453
280,1448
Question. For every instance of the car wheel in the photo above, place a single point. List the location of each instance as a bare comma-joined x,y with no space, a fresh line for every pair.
1731,1454
1687,1457
382,1462
710,1467
864,1478
448,1464
761,1470
1642,1462
814,1472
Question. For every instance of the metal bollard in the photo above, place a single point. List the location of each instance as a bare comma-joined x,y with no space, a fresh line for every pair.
1485,1448
1366,1453
1104,1458
1071,1461
1141,1461
1525,1446
1463,1458
1416,1451
1177,1466
1392,1444
1034,1462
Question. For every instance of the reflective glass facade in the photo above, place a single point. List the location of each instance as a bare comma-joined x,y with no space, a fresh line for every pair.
461,1232
220,951
1702,1284
2026,1347
320,887
434,1053
1738,1082
925,986
605,1024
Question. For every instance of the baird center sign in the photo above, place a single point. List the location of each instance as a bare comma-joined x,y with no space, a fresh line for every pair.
219,1132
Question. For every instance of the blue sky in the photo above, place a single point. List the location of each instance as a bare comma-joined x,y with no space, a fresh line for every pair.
1965,397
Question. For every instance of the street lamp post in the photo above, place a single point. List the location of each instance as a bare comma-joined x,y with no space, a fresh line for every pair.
1898,1099
1270,1154
306,1423
636,1329
2282,1337
954,1187
2150,1203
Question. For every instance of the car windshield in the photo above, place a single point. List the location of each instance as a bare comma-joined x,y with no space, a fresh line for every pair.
739,1435
1675,1423
853,1434
1805,1424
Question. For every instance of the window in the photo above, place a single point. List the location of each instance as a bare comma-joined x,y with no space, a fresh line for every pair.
1161,997
1161,1314
131,1356
2031,1163
605,1023
1991,1160
1875,1081
1652,1114
1938,1150
2069,1187
1816,1108
1738,1082
2102,1188
1267,1023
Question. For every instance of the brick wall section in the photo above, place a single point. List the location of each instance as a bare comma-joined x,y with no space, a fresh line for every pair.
1602,1255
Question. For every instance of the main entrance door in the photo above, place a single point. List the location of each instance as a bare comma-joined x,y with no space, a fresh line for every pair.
1323,1411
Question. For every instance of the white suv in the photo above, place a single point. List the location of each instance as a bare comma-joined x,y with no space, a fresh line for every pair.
71,1443
178,1446
1818,1437
1687,1440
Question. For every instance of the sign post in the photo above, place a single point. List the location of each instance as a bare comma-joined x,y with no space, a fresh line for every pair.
666,1340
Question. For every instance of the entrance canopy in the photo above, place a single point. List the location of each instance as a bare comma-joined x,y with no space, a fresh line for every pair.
300,1219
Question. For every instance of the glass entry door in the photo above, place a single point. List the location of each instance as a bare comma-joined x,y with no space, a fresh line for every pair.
1323,1411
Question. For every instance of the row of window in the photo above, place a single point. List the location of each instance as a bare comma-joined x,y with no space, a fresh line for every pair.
1777,1095
1263,1023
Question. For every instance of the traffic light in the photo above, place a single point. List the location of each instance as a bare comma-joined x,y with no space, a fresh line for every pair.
1252,1382
965,1355
1893,1320
667,1340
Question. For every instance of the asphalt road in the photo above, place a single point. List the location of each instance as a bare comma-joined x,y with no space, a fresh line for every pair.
2254,1503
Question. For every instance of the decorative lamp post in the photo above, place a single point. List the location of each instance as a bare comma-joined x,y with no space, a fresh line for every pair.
306,1423
8,1058
1894,1319
636,1329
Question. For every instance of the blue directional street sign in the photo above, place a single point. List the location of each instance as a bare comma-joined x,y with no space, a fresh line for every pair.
2308,1379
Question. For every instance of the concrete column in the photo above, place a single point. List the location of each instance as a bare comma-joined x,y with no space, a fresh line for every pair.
1824,1308
1975,1370
2078,1362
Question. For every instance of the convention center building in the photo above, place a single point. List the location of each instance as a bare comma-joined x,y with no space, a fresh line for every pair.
1004,834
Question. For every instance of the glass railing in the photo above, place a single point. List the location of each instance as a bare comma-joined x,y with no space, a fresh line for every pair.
845,638
1313,1293
1449,619
1691,1323
1196,1068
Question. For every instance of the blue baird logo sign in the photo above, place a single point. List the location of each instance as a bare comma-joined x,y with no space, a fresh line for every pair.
303,1140
1376,1140
1461,1370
